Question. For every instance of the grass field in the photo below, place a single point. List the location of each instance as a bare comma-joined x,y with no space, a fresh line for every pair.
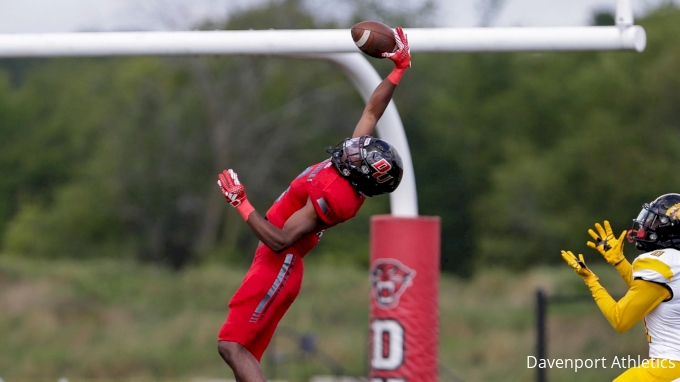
115,321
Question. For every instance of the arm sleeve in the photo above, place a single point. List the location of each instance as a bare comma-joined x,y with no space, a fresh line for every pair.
625,269
322,207
642,297
332,208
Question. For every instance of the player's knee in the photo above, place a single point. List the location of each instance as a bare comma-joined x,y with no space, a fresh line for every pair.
228,350
223,349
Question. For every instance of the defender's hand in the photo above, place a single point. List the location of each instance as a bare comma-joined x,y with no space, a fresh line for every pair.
609,246
402,56
231,188
579,265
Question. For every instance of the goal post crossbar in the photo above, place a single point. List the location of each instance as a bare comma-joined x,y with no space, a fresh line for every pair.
530,39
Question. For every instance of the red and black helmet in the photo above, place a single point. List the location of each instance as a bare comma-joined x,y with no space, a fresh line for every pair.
658,224
372,165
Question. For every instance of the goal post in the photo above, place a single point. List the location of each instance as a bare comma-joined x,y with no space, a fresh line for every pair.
302,41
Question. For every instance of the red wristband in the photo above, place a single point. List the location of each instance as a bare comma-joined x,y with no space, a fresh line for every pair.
245,209
395,75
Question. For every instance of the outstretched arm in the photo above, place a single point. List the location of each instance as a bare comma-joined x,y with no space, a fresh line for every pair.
278,239
642,297
377,103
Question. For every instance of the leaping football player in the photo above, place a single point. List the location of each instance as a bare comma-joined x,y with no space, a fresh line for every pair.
322,196
654,285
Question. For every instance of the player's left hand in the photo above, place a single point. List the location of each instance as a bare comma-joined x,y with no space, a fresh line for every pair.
607,244
579,265
231,188
402,56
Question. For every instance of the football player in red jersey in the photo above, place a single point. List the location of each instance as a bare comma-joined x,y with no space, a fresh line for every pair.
325,194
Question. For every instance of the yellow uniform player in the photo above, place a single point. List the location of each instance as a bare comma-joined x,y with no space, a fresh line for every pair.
653,281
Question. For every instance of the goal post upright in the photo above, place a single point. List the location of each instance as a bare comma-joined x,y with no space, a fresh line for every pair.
402,243
624,14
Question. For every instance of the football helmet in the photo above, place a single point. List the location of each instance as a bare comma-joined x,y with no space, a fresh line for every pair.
658,224
371,165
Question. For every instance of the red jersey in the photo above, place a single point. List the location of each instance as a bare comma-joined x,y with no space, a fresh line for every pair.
333,197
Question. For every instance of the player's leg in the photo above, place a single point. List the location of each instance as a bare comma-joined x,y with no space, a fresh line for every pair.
631,375
254,309
236,339
657,371
237,333
275,312
245,366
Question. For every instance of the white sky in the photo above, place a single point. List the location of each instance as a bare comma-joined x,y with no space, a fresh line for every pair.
39,16
463,13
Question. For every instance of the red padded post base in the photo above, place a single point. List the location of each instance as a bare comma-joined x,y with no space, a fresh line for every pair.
404,316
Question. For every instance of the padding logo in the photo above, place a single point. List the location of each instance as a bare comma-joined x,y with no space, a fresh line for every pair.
389,280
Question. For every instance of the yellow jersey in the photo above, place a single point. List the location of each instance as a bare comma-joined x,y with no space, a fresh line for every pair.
662,323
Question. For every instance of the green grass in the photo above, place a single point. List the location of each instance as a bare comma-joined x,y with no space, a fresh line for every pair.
106,320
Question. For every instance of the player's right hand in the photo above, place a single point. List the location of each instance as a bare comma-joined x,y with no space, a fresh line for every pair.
231,188
607,244
402,56
579,265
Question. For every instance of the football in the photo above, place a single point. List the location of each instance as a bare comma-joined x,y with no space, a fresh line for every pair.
374,38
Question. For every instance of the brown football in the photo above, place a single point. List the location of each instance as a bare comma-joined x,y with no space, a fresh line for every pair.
374,38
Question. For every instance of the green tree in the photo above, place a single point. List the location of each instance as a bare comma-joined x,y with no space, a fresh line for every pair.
145,139
609,144
518,153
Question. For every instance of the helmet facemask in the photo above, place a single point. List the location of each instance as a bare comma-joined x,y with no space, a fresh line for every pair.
657,225
349,157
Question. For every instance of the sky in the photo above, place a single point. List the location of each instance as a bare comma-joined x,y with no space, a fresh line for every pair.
538,13
45,16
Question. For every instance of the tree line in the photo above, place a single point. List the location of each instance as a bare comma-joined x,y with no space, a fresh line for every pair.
519,154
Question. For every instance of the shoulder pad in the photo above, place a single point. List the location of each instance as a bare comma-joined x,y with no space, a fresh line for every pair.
649,267
336,202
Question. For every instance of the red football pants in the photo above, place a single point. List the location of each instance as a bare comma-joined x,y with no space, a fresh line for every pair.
268,289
